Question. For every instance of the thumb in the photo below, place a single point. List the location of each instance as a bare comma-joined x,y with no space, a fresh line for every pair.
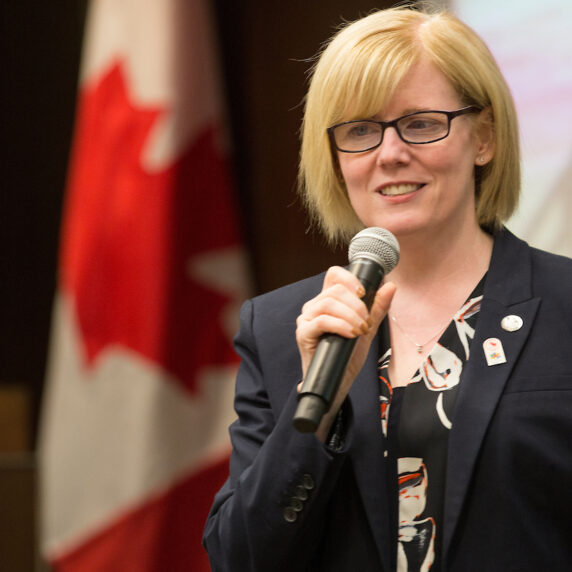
381,304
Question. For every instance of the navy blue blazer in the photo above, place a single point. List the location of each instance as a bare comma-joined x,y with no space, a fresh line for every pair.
292,504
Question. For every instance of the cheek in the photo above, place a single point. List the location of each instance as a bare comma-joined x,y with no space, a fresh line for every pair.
463,173
456,168
354,171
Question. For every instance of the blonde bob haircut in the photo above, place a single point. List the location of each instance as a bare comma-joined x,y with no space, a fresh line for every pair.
356,75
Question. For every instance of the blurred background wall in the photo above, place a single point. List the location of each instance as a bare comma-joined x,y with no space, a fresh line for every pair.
40,57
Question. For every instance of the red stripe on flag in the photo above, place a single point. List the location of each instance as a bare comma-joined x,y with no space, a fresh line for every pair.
163,534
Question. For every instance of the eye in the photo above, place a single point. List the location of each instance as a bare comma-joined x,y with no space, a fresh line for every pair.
424,123
361,129
423,127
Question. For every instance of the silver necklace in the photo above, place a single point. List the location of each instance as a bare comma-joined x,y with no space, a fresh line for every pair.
417,344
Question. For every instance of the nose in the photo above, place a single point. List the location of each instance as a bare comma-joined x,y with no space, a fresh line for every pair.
393,150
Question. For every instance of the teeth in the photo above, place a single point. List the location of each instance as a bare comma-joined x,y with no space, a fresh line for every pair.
393,190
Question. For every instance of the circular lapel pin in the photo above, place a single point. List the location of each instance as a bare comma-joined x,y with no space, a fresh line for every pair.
511,323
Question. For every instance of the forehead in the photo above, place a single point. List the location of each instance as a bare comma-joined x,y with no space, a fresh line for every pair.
422,87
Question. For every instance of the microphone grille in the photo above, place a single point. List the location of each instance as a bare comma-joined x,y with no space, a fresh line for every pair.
377,244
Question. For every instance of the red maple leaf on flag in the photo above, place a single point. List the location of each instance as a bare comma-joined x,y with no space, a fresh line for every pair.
129,236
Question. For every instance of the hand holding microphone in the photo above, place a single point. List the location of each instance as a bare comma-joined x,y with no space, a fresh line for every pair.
373,252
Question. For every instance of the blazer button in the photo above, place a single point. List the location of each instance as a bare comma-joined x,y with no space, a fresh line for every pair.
301,493
296,504
308,482
290,515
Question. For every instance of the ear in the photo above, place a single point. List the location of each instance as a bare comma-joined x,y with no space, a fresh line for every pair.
485,139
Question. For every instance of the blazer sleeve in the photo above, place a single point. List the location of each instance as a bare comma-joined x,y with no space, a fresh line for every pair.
270,512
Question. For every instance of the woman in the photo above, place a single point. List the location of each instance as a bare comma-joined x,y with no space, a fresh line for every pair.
449,443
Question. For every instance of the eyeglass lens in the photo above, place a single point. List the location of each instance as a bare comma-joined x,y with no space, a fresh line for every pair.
416,128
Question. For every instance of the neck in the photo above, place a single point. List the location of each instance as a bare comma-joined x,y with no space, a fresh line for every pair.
437,257
435,275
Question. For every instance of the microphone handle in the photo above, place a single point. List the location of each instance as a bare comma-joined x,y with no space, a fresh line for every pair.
331,358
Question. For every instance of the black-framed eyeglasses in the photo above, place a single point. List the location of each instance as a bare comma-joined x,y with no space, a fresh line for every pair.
417,128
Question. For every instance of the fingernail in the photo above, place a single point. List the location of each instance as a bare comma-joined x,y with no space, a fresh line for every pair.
364,328
360,291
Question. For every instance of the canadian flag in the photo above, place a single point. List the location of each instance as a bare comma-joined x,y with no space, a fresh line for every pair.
133,438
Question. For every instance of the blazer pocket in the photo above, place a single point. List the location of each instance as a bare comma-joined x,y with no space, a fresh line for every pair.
539,383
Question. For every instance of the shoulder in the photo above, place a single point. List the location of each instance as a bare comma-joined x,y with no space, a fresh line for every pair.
550,266
288,299
552,281
511,254
271,317
550,274
519,272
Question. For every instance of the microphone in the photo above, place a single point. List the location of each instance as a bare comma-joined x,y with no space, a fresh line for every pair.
373,252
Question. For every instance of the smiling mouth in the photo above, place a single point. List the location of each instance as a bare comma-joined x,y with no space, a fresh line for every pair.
396,190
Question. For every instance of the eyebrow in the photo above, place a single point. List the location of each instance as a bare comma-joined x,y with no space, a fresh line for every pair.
407,111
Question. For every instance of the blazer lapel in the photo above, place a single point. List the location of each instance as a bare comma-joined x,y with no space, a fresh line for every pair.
367,454
507,292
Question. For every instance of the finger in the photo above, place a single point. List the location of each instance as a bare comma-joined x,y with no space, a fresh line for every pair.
309,331
339,275
336,292
338,303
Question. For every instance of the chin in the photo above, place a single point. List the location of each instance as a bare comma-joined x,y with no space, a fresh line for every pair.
403,227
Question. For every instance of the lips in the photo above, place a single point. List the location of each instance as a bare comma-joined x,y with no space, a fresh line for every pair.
400,189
